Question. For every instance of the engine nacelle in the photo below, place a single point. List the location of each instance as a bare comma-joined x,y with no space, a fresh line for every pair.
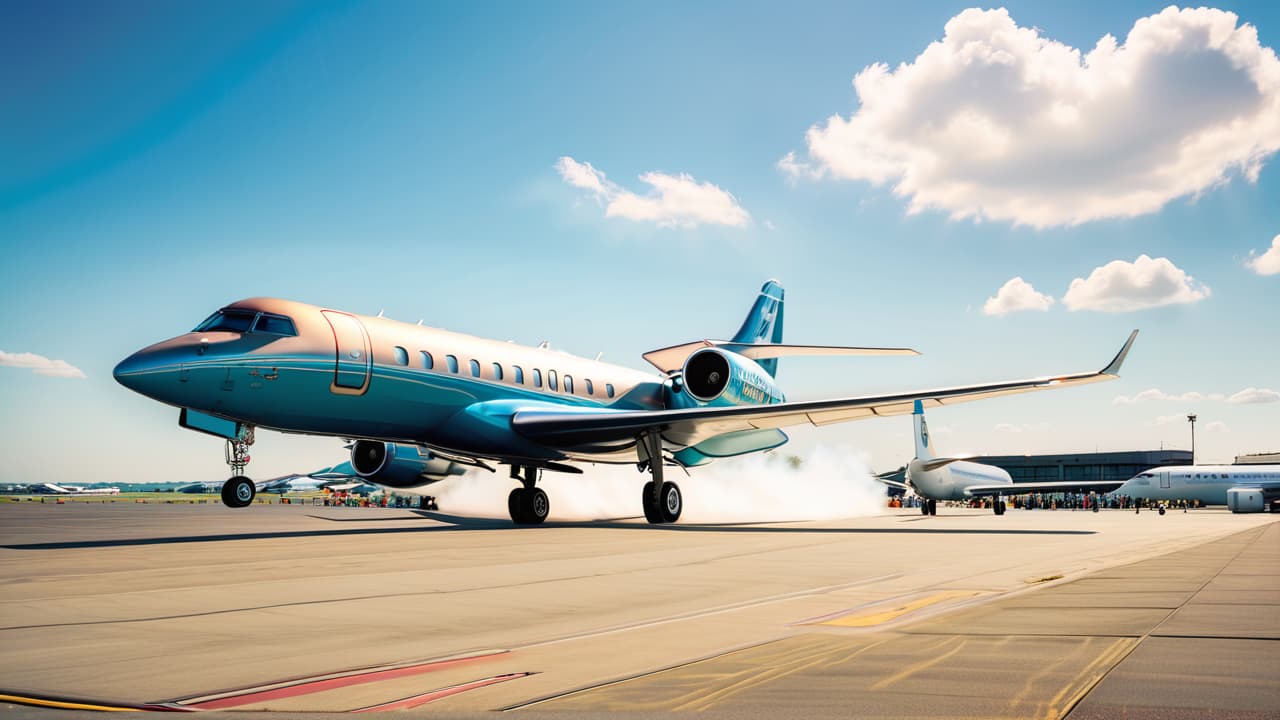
399,466
1245,500
720,377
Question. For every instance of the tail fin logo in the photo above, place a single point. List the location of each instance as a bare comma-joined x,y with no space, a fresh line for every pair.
924,433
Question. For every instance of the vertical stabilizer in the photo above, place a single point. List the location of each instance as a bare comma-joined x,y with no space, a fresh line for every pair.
924,450
763,324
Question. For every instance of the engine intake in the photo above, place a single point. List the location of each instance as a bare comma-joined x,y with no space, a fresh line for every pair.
706,374
399,466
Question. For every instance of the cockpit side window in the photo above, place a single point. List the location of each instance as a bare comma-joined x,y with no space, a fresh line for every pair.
275,325
237,321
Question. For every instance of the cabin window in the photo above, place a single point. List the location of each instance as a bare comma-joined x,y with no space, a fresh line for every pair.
452,362
568,384
427,362
402,355
537,377
608,389
519,373
497,371
590,390
274,325
551,380
475,368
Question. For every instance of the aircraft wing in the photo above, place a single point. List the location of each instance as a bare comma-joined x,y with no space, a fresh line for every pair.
687,427
1098,486
671,359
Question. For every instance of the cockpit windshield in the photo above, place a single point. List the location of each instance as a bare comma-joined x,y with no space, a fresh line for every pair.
243,321
237,321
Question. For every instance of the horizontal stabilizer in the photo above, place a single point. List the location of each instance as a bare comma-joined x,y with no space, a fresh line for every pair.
935,463
670,359
893,483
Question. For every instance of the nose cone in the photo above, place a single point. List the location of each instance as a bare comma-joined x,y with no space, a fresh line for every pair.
132,370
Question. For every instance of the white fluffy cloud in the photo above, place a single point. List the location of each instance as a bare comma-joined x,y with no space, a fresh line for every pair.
673,200
40,365
1017,294
1158,394
1121,286
1253,395
995,121
1249,395
1268,263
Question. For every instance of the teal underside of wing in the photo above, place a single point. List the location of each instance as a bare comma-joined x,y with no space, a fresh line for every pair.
731,444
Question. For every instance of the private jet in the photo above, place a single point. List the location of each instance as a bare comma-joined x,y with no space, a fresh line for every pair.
421,402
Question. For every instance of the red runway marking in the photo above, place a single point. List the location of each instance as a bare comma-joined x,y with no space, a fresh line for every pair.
424,698
308,687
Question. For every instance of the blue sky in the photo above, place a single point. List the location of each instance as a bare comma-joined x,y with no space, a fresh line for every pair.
159,160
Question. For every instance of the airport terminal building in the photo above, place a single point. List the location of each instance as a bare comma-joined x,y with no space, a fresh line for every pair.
1084,466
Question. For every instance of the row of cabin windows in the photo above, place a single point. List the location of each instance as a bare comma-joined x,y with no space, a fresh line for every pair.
517,372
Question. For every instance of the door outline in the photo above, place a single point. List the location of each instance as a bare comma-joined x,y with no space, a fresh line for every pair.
352,359
1164,481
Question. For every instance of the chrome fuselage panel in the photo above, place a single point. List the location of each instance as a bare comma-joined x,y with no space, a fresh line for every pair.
304,383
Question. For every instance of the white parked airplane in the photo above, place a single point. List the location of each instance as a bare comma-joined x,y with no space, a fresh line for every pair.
56,489
954,478
1242,488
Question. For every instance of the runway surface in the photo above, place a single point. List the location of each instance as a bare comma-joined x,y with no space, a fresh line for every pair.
302,608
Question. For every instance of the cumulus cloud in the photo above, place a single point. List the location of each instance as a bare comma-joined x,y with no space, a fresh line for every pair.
1253,395
1268,263
1121,286
1017,294
996,121
672,201
40,365
1158,394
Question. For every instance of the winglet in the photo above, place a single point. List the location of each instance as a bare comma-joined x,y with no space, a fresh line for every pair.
1114,367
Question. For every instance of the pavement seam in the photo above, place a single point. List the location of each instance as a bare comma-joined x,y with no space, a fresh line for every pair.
1071,706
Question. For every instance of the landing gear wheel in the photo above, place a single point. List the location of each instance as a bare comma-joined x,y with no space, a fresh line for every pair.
1161,510
238,492
650,511
672,502
924,507
515,506
528,506
998,506
536,506
933,507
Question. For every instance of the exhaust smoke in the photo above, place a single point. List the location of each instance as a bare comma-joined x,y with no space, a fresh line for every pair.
827,483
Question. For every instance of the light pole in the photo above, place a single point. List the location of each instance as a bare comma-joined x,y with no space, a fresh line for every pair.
1192,419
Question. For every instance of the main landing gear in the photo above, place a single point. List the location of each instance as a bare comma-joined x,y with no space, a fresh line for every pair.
998,505
928,507
239,491
527,505
662,500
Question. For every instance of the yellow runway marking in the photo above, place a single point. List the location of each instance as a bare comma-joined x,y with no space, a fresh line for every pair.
873,616
62,705
910,670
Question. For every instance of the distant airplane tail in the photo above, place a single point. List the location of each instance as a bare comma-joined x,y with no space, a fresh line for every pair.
763,323
924,451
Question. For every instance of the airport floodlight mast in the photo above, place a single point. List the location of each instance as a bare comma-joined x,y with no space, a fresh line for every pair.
1192,419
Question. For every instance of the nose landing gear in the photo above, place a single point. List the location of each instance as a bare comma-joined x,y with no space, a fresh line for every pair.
239,490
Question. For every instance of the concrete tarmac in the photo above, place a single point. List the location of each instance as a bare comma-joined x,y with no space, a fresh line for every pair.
298,608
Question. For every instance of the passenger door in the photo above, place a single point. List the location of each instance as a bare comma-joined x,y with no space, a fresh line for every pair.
352,359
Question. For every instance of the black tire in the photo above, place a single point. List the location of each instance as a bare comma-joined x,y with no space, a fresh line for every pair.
515,506
933,507
1161,510
672,502
537,506
650,512
924,507
238,492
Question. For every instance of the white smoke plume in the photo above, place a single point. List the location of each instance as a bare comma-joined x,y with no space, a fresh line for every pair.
828,483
